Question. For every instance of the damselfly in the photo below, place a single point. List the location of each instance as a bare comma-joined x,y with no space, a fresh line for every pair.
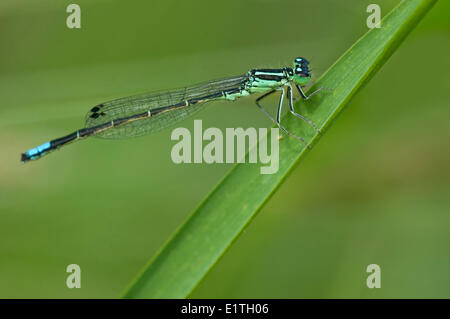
152,112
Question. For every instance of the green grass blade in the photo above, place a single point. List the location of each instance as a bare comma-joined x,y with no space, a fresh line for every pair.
205,236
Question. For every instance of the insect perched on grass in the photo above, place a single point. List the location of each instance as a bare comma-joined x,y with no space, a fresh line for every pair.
152,112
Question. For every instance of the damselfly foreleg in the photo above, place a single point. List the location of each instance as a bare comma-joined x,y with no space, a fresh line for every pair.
277,120
307,97
291,108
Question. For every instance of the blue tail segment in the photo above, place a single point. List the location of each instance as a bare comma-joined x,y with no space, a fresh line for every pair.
36,152
41,150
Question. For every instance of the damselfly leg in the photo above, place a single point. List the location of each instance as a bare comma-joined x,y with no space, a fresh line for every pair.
277,121
291,107
307,97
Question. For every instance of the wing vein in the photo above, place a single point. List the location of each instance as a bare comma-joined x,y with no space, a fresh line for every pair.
126,107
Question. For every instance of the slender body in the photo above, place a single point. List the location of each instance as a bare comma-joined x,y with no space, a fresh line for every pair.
147,113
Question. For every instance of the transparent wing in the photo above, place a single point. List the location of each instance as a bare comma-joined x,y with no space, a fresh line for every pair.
150,124
133,105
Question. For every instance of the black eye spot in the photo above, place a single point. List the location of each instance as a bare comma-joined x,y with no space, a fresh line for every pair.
94,115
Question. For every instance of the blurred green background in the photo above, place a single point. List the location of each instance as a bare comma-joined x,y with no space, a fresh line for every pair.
376,189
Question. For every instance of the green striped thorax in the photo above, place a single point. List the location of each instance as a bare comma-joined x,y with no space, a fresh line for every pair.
302,74
264,80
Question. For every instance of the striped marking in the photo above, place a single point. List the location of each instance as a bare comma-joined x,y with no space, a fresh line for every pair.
275,75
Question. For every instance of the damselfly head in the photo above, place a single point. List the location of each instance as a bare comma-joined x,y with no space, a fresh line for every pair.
301,67
301,71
